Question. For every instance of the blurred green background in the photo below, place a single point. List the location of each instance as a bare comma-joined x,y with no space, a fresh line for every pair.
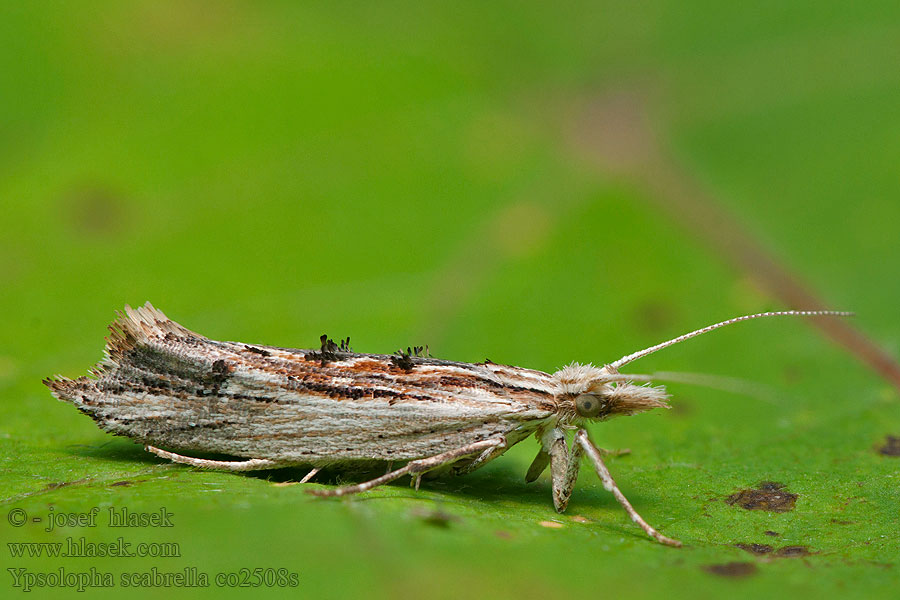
497,180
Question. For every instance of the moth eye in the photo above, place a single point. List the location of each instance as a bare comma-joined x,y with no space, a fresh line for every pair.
588,405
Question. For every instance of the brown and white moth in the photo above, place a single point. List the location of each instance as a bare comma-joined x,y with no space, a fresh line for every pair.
165,386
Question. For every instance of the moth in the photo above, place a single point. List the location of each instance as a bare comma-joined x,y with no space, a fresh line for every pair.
165,386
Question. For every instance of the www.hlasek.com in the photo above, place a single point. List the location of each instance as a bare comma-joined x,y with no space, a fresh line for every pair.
82,548
188,577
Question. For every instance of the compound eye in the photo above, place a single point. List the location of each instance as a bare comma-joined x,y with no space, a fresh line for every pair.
588,405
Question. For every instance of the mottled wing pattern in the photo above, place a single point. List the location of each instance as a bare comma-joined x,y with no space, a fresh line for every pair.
164,385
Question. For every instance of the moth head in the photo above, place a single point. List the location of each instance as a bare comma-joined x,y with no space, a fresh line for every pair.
588,392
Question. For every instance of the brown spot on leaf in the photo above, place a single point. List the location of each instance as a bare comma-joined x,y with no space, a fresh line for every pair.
772,533
521,228
61,484
613,131
436,518
580,519
654,316
792,374
768,495
757,549
732,569
121,484
792,551
95,210
682,407
891,446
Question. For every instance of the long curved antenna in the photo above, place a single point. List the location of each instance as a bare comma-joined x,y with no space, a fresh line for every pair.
614,366
722,383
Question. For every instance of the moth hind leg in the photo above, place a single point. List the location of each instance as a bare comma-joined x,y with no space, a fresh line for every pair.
252,464
466,465
417,467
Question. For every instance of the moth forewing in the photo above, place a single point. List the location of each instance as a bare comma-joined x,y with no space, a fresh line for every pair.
163,385
166,386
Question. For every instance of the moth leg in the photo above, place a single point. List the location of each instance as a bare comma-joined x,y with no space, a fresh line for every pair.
564,466
252,464
309,475
414,467
617,452
538,465
486,456
582,440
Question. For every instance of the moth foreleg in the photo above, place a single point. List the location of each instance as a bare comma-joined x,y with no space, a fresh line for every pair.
413,467
252,464
582,440
564,466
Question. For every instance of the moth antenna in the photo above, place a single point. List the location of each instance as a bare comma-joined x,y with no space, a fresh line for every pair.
733,385
614,366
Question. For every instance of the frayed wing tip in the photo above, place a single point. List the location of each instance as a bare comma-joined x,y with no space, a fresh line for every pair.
61,387
136,325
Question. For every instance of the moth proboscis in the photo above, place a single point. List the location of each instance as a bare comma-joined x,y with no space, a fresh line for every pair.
163,385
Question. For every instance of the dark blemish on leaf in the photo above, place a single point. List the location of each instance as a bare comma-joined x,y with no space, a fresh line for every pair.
891,446
95,210
772,533
732,569
436,518
654,317
770,486
792,551
121,484
61,484
682,407
792,374
769,496
503,535
256,350
841,522
757,549
580,519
